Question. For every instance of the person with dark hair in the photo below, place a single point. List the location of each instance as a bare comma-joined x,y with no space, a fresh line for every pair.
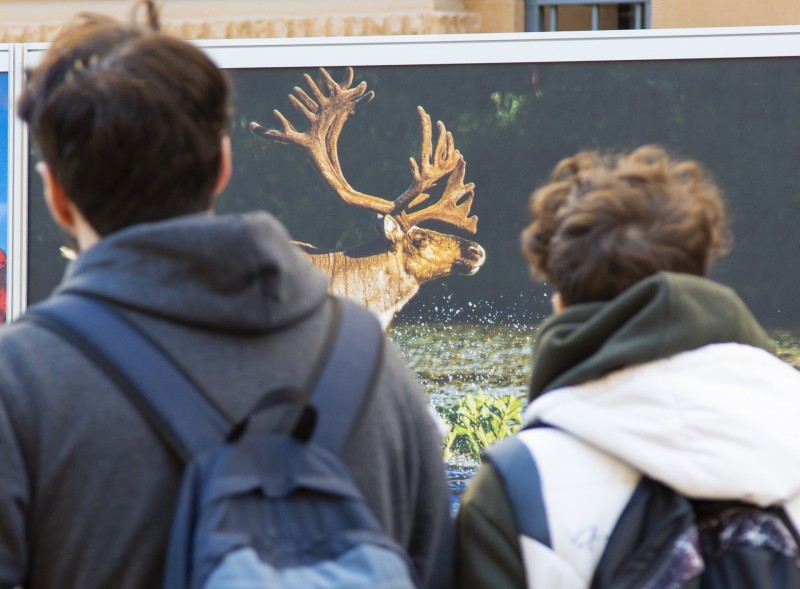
132,129
646,370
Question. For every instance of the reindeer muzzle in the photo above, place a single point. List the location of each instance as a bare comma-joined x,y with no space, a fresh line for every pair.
472,258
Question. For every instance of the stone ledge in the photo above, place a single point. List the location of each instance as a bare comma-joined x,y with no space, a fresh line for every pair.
328,26
395,23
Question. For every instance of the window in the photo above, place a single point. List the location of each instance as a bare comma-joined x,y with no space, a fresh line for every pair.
564,15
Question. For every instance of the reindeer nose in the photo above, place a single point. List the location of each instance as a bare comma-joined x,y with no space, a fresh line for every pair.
477,252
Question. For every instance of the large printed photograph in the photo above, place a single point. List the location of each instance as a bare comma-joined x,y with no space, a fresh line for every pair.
408,186
411,183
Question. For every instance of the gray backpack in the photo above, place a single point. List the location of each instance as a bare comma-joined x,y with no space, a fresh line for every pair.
257,509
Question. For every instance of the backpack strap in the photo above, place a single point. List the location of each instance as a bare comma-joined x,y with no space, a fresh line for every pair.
185,418
348,377
519,473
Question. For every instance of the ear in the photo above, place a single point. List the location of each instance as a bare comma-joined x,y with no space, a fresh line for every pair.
59,205
225,166
558,303
391,229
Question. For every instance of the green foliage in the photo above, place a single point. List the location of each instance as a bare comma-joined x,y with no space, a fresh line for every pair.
508,106
478,421
787,346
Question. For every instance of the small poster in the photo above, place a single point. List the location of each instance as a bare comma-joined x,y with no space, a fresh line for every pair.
4,173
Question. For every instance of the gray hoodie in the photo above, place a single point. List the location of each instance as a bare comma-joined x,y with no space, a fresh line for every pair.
86,488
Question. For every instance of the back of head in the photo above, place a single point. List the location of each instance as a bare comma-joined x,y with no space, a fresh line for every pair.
129,120
604,222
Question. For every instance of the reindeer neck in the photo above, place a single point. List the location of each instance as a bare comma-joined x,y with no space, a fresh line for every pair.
368,274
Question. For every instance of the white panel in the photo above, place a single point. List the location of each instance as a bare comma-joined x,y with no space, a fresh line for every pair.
17,269
508,48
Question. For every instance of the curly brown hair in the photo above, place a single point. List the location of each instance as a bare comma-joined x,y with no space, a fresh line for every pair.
604,222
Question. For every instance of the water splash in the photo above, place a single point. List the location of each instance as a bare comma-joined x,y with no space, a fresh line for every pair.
454,359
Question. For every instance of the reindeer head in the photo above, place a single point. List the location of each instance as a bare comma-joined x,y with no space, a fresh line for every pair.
425,254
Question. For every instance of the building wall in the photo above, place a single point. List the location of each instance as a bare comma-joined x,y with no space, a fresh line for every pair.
220,19
723,13
498,16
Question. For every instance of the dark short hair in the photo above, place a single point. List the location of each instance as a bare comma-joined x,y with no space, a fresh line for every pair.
604,222
129,120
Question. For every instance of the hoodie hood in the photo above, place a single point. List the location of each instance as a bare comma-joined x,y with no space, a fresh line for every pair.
230,273
715,421
659,316
719,422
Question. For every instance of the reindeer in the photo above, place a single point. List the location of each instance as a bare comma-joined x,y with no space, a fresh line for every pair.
385,273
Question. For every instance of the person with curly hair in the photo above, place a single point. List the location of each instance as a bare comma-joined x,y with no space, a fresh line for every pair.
647,368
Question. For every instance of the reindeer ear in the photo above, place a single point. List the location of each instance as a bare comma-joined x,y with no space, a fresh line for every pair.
391,229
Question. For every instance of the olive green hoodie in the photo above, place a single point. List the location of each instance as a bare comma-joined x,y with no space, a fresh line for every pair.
660,316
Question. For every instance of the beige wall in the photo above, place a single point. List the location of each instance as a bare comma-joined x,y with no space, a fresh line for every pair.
499,16
24,21
722,13
221,19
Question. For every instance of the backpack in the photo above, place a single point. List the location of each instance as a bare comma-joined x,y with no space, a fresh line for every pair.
256,509
664,540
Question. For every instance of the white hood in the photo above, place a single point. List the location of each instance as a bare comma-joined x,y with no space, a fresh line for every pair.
718,422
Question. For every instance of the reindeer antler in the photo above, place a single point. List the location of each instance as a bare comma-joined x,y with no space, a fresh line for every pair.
328,111
454,205
326,114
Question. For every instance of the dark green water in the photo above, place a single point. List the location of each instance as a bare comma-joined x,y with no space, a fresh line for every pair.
455,359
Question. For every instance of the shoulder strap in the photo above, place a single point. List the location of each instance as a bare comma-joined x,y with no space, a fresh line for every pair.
185,418
349,375
520,476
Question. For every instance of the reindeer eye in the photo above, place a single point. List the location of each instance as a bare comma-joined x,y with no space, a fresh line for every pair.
418,239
